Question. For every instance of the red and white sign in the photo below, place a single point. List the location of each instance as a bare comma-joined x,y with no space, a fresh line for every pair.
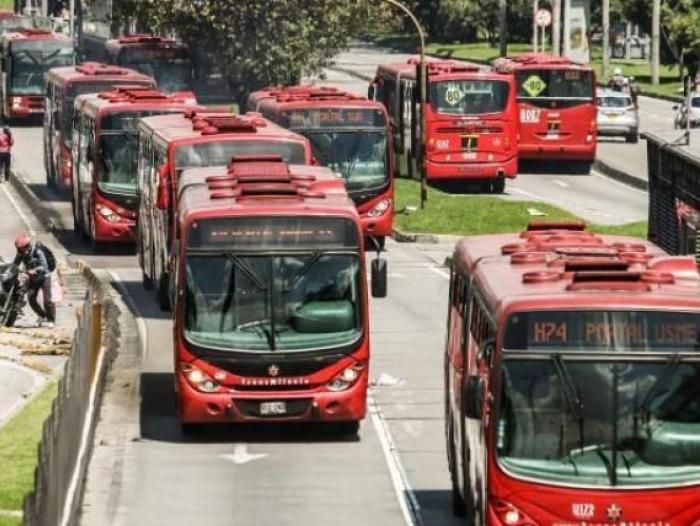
543,18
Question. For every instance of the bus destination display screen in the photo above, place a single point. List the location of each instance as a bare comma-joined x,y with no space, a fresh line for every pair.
635,331
272,232
333,118
135,54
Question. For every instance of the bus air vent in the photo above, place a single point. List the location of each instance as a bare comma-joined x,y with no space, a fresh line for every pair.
97,68
630,247
512,248
608,280
538,225
679,266
528,258
595,263
592,251
541,276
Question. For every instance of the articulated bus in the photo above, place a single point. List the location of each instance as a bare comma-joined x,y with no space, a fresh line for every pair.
557,107
271,316
572,368
349,135
105,158
27,56
62,86
170,143
471,121
166,60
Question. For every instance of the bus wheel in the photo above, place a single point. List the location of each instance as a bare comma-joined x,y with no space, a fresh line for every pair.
458,508
162,293
498,185
349,429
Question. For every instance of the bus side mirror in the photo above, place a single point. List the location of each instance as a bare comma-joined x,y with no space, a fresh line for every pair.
474,393
379,278
163,195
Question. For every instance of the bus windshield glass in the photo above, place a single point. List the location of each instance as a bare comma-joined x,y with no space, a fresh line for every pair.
31,60
170,66
555,84
213,153
118,159
13,23
601,398
273,284
360,157
468,97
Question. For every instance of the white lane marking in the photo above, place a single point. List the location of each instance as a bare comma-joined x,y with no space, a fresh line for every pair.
627,187
140,323
20,212
386,380
410,509
36,378
241,456
560,183
438,271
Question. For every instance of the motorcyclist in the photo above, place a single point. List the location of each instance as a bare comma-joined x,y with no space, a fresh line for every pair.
617,82
34,263
6,142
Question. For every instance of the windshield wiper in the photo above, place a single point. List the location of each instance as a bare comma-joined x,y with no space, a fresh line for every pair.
292,282
572,394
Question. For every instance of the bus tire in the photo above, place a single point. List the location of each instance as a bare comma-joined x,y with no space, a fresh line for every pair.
162,295
348,428
498,185
458,506
409,164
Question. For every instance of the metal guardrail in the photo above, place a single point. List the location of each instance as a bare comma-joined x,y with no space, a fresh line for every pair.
674,195
68,432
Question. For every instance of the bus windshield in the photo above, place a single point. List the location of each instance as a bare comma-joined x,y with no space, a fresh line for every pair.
31,60
468,97
601,398
263,303
360,157
170,67
118,163
213,153
555,84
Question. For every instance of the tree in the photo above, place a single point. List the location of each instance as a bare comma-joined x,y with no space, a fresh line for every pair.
680,27
255,42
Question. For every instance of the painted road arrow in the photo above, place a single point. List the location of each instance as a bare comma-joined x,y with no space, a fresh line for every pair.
241,456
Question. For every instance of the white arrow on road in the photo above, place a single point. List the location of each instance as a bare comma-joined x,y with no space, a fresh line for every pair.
241,456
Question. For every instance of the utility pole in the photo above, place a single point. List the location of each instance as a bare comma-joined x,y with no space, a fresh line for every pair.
556,27
606,39
655,34
535,29
503,32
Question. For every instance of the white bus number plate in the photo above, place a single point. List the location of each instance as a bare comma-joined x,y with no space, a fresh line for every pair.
273,408
530,115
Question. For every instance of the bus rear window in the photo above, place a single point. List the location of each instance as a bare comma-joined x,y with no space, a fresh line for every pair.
220,152
554,84
603,331
469,97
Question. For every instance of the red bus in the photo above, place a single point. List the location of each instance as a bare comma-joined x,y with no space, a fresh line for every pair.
166,60
260,335
557,107
170,143
27,56
348,134
471,121
62,86
571,380
105,158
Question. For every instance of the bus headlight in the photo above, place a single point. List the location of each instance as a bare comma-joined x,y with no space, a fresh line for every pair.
510,515
107,213
16,103
346,377
199,379
378,209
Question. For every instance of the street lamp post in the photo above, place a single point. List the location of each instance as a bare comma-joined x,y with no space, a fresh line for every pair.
422,94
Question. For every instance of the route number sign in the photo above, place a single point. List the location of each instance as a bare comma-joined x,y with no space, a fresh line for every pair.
543,18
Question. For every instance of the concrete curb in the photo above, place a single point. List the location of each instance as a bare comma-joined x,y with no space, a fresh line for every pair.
406,237
618,175
44,215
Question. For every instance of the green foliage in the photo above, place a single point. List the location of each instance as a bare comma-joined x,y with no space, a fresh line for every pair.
256,42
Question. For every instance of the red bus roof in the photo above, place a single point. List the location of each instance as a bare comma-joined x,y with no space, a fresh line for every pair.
92,71
134,98
214,125
33,34
536,61
113,45
262,185
439,70
278,99
555,265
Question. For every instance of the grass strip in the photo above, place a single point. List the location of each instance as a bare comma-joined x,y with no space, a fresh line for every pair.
464,214
19,439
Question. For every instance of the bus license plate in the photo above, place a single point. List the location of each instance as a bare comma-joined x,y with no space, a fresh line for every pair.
273,408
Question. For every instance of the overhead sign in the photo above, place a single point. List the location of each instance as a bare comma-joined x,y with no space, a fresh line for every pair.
534,85
543,18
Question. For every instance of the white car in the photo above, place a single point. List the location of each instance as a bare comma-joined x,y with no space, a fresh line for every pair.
617,115
679,121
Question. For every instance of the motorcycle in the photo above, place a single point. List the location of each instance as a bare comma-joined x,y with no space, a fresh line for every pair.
12,294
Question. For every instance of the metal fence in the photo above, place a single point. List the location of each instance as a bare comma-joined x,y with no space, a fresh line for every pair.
67,434
674,196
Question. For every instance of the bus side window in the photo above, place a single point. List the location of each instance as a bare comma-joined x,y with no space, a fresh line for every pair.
141,179
480,327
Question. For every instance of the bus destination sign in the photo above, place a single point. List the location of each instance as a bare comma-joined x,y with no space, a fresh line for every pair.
334,118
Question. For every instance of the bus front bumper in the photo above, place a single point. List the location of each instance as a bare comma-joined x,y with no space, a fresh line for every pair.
473,170
248,407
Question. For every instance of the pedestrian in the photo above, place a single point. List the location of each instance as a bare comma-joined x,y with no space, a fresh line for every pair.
6,142
33,259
